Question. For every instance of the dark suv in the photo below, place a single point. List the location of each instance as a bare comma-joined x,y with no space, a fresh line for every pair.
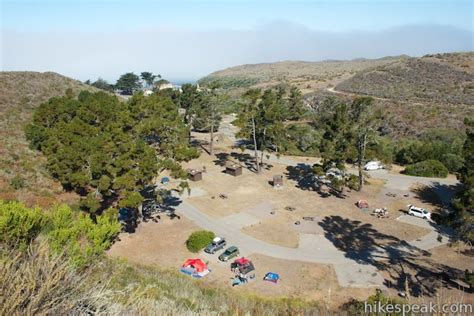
229,253
216,245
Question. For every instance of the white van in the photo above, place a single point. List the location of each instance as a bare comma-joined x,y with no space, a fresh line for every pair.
373,165
418,212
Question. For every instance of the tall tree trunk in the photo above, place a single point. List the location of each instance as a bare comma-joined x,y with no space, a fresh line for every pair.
257,164
212,136
362,143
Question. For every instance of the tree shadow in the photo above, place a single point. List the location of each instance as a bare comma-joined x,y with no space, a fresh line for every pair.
244,159
405,264
221,159
437,194
303,175
162,203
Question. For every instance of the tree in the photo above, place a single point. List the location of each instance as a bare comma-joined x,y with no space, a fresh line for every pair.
149,77
248,114
335,123
295,104
187,100
463,217
108,150
364,117
128,83
207,113
261,120
102,84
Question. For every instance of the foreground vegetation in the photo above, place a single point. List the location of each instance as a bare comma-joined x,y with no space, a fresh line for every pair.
52,263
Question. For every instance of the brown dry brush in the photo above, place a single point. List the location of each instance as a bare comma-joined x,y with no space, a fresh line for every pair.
35,282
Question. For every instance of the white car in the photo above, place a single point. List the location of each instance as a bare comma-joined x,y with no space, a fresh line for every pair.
418,212
373,165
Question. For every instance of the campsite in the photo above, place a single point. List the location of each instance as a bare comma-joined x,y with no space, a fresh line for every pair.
249,209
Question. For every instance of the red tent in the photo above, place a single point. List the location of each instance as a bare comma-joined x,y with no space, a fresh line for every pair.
242,261
197,264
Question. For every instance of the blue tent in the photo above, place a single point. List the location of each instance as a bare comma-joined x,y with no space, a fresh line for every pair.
272,277
165,180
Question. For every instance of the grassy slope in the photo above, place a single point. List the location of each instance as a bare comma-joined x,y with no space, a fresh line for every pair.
20,94
420,93
308,76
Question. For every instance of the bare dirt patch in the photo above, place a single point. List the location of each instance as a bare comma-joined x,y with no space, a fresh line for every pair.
274,231
162,243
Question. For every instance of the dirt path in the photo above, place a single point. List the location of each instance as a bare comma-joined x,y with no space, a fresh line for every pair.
350,94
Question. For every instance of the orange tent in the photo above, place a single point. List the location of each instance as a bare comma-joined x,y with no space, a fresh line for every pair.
197,264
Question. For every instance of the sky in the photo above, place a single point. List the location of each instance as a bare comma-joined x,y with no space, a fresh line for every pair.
184,40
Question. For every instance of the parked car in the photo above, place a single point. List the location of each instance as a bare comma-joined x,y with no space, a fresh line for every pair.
229,253
418,212
373,165
335,173
217,244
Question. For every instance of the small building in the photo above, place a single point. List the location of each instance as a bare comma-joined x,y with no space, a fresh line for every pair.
233,168
195,175
277,181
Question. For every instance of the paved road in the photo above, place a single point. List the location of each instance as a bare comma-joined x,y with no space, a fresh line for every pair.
313,248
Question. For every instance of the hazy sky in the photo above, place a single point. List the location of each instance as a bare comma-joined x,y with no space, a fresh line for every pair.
184,40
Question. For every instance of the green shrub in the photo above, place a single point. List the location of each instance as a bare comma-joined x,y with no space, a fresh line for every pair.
452,162
19,225
427,168
17,183
199,239
352,182
78,236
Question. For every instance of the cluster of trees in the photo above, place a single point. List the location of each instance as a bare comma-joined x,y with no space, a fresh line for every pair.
353,133
129,82
107,150
262,118
203,109
343,132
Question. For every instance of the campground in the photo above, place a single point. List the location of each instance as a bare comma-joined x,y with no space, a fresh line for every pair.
342,252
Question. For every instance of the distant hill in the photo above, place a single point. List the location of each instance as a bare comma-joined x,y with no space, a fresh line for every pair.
446,78
20,94
308,76
416,94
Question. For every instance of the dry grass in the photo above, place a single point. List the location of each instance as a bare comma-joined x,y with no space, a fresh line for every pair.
305,75
38,283
274,231
20,94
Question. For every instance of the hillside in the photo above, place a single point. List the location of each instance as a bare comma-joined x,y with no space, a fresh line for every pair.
22,174
414,93
308,76
433,78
